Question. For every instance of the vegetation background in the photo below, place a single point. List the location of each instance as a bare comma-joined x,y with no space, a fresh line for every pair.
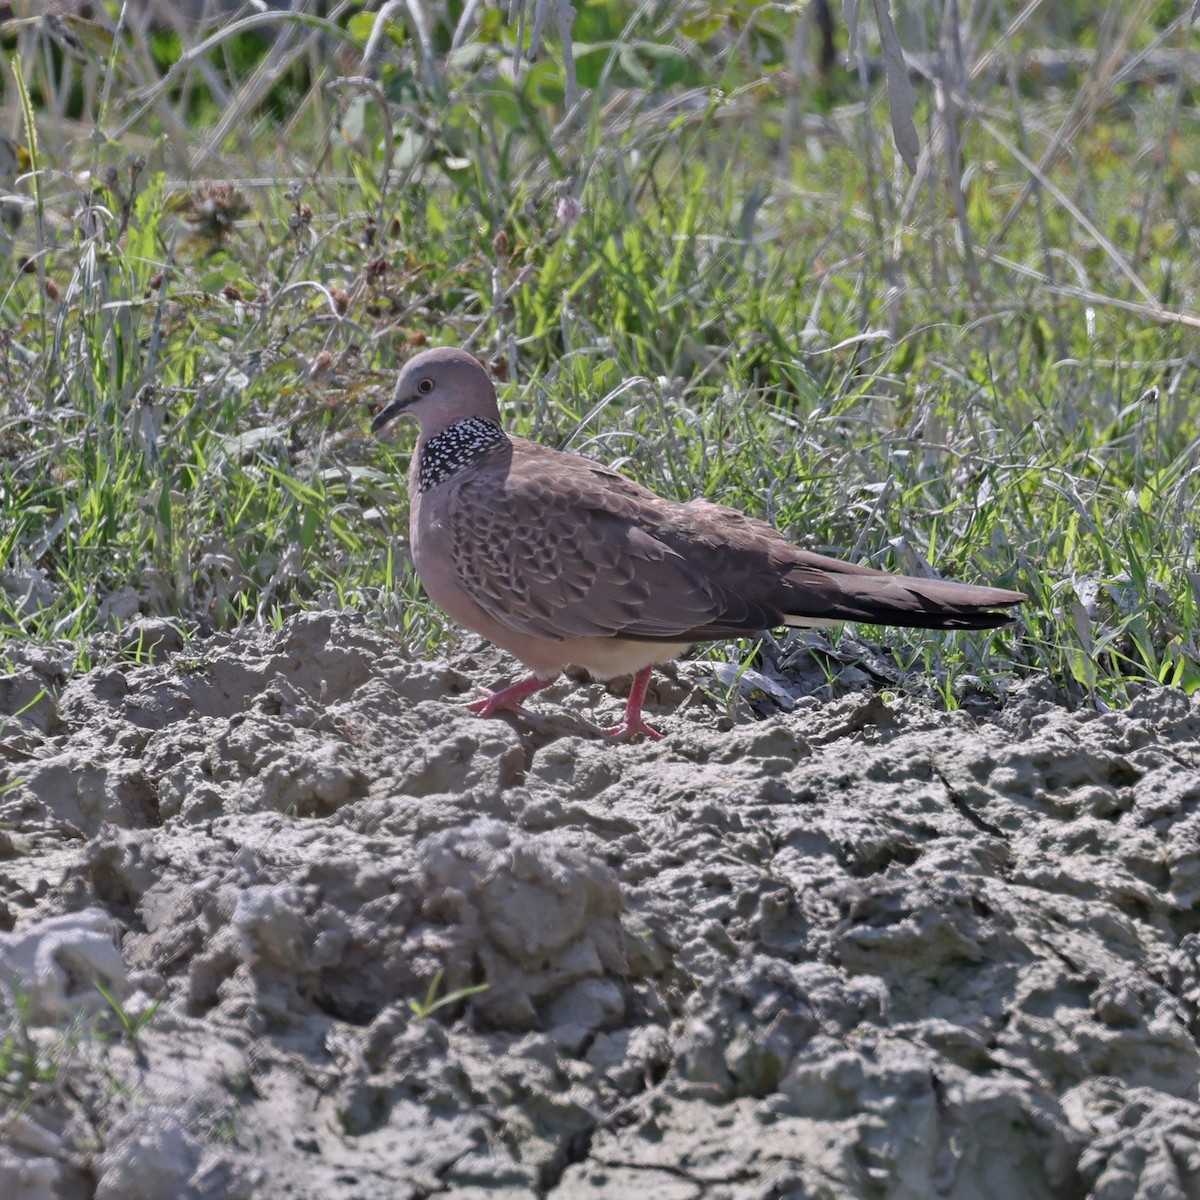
687,241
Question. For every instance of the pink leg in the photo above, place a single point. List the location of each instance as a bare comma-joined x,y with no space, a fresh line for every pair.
510,697
633,723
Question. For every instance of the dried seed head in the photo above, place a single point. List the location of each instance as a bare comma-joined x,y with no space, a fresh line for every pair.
300,219
212,208
320,364
567,210
90,222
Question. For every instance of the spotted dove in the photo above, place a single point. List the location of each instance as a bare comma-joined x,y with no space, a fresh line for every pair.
559,560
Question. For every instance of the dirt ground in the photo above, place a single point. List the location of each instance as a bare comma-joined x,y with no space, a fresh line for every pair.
861,948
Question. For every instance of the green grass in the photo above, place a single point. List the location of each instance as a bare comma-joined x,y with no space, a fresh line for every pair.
992,371
30,1064
424,1008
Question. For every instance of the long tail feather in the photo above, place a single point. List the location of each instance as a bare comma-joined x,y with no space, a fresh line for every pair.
882,599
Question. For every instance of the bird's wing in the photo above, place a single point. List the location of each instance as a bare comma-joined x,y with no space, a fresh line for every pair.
555,546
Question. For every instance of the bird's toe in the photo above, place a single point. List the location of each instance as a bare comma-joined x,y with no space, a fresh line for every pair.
491,703
627,730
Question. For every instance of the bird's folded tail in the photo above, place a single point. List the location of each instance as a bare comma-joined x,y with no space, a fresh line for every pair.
879,598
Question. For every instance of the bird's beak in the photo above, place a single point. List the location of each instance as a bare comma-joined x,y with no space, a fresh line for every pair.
387,415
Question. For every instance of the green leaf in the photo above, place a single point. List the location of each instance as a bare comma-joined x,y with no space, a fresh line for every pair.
434,219
589,62
361,25
632,67
502,103
544,84
645,64
669,59
700,29
142,250
215,279
491,26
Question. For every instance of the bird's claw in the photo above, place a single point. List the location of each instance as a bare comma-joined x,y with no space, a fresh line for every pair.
506,699
490,703
630,729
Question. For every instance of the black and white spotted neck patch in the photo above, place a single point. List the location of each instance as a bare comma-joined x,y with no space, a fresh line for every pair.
457,446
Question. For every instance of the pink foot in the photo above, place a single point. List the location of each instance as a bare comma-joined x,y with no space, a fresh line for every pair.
633,724
630,729
509,698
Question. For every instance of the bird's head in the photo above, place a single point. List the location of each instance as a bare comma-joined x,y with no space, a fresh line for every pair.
439,387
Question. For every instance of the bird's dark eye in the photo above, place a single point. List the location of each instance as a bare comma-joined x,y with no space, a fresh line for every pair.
425,387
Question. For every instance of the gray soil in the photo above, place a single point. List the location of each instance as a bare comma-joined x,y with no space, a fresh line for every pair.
862,948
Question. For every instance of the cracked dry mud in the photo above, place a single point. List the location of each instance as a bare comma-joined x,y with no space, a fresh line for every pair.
862,949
